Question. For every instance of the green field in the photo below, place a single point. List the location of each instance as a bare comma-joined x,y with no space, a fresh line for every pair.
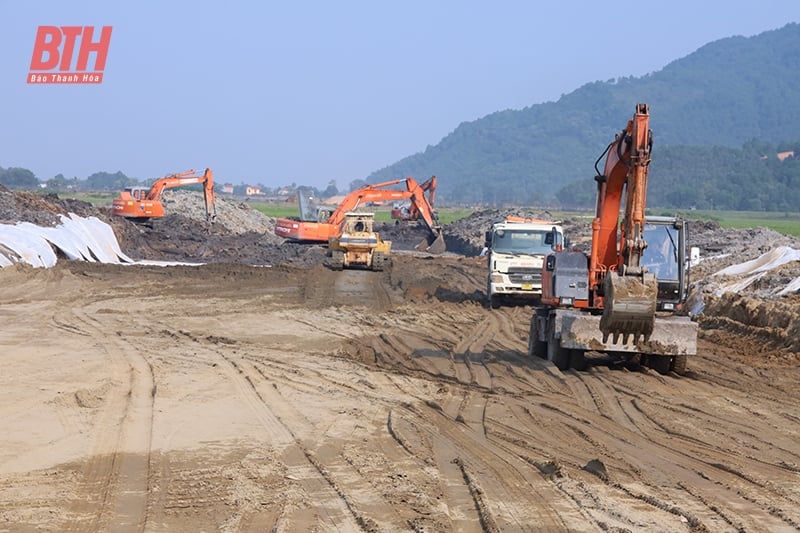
782,222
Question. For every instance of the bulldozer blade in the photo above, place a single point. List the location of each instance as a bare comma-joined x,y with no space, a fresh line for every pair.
433,245
629,307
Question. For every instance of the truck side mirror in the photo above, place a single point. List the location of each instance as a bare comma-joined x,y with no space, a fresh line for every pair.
487,239
553,239
550,263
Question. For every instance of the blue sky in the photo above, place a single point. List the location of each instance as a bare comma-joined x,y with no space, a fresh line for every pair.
308,92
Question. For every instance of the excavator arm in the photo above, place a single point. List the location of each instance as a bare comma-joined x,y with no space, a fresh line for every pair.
379,192
190,177
625,291
420,203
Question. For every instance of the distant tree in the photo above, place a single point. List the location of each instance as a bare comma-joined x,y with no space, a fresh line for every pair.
331,190
357,184
60,183
105,181
18,178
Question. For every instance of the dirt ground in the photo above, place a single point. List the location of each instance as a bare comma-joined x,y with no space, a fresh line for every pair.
262,391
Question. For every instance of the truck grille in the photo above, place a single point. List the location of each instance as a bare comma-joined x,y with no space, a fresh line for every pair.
525,275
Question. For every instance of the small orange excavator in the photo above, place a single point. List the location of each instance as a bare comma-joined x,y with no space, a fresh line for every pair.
142,204
327,224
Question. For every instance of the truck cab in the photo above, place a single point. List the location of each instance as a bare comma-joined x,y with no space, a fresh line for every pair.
515,250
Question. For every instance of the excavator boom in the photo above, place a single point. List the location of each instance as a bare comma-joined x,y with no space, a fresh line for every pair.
625,291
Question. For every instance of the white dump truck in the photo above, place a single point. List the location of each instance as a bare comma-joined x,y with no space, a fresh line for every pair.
515,250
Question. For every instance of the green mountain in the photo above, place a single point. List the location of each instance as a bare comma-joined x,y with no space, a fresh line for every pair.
719,117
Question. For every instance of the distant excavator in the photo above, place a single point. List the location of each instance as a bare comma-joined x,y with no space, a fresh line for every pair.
324,225
142,204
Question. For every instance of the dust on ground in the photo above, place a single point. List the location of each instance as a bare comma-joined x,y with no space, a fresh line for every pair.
291,397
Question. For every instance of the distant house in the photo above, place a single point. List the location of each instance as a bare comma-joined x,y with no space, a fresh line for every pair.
253,190
784,155
227,188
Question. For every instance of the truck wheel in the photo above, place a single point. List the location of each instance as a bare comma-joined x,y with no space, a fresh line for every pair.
577,359
495,301
679,364
659,363
556,354
536,348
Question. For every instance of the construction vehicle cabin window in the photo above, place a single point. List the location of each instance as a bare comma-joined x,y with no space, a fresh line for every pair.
661,255
521,242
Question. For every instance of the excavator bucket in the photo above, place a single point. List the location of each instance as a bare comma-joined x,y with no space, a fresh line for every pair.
629,307
433,244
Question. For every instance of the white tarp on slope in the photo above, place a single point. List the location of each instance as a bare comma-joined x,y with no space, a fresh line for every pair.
756,268
82,239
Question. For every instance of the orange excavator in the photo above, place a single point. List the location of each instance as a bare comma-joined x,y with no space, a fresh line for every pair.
409,211
608,302
327,224
144,204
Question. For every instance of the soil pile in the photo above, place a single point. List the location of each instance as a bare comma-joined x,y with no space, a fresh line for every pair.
761,305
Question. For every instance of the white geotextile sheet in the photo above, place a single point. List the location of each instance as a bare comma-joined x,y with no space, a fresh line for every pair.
79,238
772,259
756,268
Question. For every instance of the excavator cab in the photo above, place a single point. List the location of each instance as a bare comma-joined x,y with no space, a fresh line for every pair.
134,193
666,257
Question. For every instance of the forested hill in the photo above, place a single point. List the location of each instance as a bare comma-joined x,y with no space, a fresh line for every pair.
719,118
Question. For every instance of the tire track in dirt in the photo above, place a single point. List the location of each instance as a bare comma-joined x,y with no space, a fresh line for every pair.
597,393
471,351
330,510
700,466
113,491
455,451
353,287
325,475
408,428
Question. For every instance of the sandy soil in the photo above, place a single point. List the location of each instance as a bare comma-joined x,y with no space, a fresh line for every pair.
229,397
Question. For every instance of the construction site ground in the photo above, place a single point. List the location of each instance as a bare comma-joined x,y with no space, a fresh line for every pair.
263,391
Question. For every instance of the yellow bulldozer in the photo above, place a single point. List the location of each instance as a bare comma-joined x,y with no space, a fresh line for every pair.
358,244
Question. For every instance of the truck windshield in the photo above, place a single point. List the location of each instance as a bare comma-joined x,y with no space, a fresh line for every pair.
521,242
661,255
